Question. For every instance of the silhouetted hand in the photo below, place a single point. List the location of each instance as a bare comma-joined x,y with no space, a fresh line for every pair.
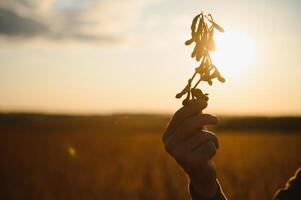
192,146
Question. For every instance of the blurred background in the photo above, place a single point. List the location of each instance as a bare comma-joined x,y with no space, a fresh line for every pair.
87,87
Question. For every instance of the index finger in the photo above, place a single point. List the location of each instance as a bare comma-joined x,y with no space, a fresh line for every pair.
194,107
192,124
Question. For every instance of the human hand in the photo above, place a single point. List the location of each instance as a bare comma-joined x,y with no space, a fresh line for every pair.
193,147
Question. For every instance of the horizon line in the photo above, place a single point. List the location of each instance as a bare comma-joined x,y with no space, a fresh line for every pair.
90,114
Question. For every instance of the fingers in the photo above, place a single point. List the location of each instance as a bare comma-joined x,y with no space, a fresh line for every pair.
196,150
194,107
200,137
193,124
202,153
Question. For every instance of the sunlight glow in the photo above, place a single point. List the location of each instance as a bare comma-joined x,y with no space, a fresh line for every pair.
235,53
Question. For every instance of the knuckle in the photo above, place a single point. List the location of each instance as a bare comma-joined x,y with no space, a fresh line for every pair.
166,136
207,118
214,136
210,135
211,149
174,152
202,104
167,148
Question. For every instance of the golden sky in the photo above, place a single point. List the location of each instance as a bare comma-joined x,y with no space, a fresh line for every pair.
111,56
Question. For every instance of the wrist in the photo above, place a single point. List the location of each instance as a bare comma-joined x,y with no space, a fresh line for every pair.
204,191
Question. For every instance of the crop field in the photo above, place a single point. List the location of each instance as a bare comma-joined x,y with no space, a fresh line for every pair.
59,162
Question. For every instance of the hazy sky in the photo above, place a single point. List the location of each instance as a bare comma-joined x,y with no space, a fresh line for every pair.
104,56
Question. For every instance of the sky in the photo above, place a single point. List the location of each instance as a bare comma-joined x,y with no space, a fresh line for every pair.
117,56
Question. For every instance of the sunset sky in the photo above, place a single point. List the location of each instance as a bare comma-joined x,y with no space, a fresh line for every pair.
112,56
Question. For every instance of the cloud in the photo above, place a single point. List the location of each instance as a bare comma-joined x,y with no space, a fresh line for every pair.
91,20
14,25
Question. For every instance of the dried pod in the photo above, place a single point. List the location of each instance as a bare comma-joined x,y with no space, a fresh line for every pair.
210,45
179,95
189,42
211,67
198,94
194,52
216,26
221,79
203,37
193,24
211,31
185,102
205,34
206,75
200,49
218,76
200,26
207,65
185,90
193,30
208,79
200,69
199,54
212,76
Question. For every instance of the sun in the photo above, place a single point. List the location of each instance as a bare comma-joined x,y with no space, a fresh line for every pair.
235,53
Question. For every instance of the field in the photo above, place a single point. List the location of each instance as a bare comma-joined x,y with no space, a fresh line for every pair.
58,158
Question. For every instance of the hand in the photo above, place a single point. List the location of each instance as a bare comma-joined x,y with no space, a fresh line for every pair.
187,141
